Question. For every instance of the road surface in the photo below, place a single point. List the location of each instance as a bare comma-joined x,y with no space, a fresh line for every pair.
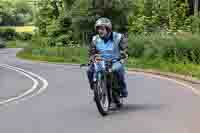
52,98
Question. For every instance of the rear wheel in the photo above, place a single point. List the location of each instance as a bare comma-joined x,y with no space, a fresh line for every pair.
101,96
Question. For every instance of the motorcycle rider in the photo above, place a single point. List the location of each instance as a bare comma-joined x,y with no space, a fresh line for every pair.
109,45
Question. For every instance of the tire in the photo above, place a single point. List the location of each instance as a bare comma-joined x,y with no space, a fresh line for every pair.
101,96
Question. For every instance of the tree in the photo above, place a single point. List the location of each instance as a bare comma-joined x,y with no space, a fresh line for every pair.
6,13
196,14
15,13
68,4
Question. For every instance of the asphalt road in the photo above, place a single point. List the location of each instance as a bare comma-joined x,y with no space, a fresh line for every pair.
155,105
12,83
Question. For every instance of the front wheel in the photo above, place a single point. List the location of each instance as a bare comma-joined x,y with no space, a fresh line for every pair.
101,96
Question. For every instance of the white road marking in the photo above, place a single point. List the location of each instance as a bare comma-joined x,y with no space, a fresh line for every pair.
40,90
31,76
25,93
44,81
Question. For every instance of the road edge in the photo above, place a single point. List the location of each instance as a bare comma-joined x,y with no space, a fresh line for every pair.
150,71
189,79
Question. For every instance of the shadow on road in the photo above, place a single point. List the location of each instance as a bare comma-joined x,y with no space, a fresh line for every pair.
128,108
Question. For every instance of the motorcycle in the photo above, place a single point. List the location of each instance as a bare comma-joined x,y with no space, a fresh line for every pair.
105,85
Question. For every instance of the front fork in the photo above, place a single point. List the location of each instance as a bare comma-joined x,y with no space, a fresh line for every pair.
98,76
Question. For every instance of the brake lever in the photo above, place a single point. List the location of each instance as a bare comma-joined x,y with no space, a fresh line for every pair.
84,65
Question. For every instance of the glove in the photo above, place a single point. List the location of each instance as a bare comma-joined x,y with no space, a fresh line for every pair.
92,57
124,57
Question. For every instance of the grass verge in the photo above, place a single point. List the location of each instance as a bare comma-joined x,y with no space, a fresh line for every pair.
16,44
155,64
188,69
51,57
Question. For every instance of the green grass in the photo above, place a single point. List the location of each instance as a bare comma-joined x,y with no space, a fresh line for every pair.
16,44
25,55
188,69
168,47
156,64
67,55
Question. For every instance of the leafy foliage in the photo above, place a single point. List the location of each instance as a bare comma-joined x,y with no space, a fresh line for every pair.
166,47
68,21
7,33
18,12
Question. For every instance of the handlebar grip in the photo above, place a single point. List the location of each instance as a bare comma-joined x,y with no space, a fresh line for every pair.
84,65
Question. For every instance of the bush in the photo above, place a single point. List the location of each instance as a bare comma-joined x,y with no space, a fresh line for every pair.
171,48
63,39
66,40
65,23
136,46
24,36
37,41
7,33
2,43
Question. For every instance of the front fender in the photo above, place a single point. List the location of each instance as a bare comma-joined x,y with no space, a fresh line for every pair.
97,76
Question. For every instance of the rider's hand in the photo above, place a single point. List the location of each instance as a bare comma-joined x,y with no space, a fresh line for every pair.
123,54
124,57
123,61
91,60
93,57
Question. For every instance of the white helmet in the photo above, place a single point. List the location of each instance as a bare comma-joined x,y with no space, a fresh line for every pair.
104,22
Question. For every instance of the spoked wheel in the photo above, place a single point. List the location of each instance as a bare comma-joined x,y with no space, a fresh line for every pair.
101,97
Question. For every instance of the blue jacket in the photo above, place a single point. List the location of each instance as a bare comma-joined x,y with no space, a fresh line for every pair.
108,48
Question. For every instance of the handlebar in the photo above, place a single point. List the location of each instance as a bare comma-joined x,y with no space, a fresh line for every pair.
88,64
84,65
107,60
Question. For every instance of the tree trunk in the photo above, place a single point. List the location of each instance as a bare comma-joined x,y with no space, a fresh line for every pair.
196,7
148,5
196,13
56,8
